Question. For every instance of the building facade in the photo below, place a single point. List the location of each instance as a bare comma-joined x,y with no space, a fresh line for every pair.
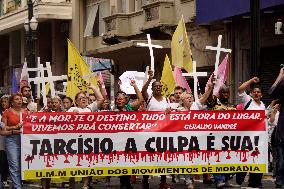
236,15
107,29
53,30
112,28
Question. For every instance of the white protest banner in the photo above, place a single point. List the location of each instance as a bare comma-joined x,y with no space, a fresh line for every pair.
143,143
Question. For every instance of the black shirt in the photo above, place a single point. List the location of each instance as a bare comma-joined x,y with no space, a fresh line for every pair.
277,92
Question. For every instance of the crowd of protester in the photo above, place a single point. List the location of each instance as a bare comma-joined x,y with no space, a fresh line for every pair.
15,106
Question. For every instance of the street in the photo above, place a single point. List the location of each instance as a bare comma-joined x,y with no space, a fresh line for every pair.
268,182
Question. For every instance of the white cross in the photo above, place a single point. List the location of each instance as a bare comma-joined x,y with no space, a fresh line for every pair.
42,80
151,46
25,67
195,76
218,49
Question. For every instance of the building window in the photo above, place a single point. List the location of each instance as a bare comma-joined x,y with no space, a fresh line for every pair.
92,15
138,5
1,7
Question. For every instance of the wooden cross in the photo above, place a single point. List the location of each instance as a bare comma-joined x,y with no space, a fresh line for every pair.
219,50
195,76
150,46
42,80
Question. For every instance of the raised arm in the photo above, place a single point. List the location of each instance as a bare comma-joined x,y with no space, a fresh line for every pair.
136,104
146,85
279,78
246,84
273,113
207,94
276,90
98,94
102,90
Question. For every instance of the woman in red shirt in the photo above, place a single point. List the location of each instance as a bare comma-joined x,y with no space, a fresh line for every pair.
12,119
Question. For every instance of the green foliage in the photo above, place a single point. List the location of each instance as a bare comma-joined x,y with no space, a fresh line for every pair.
17,2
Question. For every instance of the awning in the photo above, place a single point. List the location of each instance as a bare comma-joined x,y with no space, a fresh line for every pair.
131,46
128,56
213,10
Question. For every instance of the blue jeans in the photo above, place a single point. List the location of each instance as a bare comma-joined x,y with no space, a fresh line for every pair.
279,165
219,178
13,150
1,183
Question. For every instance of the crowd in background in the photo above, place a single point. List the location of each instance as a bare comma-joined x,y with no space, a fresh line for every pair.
15,106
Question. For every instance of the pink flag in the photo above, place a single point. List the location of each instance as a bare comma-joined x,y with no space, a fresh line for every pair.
221,76
180,80
24,80
103,83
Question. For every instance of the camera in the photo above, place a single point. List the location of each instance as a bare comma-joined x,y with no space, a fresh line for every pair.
279,27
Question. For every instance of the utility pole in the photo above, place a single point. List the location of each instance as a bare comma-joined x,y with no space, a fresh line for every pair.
255,37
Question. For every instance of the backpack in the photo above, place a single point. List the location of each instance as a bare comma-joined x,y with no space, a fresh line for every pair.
248,104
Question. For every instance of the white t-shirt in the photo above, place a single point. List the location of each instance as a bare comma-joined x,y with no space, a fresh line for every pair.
77,109
245,98
32,106
271,126
154,105
195,106
93,107
90,108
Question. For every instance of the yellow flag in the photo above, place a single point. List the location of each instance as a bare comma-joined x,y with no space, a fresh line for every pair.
181,53
167,79
77,68
47,88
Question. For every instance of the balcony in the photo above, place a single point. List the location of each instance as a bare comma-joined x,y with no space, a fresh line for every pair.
154,13
42,11
159,13
122,24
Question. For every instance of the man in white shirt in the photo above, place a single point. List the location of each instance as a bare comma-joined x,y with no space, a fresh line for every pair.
155,102
26,92
252,102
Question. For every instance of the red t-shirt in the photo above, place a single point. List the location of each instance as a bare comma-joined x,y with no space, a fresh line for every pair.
12,117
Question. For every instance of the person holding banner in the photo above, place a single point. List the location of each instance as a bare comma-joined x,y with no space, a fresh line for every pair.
252,102
187,103
82,105
277,92
156,102
12,119
55,106
221,103
122,104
